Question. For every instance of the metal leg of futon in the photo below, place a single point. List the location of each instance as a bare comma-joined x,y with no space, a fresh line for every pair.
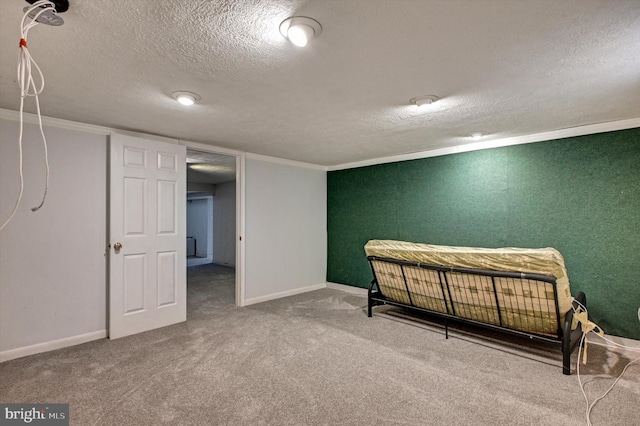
369,301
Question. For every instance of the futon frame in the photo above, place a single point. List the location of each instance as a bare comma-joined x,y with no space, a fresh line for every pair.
446,287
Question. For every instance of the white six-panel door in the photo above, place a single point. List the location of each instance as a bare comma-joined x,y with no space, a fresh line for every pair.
147,261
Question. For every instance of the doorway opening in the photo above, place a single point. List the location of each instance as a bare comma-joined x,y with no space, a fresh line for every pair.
199,230
212,224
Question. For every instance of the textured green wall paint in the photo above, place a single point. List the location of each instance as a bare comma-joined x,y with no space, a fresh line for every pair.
579,195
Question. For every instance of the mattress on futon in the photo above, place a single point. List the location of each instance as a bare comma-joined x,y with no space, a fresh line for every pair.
530,307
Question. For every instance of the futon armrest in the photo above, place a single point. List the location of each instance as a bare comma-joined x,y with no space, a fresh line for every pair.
571,338
581,298
373,283
370,301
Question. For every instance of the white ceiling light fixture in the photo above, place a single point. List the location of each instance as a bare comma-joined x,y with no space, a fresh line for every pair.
299,30
477,136
424,100
186,98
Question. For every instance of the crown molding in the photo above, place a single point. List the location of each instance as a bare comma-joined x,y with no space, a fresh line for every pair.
30,118
497,143
285,162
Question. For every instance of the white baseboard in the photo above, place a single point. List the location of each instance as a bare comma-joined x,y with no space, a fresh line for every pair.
50,346
273,296
348,288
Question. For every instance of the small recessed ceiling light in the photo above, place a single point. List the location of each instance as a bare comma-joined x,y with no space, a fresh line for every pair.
186,98
477,136
299,30
423,100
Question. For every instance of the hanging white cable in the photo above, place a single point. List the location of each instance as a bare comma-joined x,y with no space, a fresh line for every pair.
25,62
15,207
46,159
29,87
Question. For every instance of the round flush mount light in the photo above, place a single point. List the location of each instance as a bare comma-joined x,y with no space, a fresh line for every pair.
299,30
423,100
477,136
186,98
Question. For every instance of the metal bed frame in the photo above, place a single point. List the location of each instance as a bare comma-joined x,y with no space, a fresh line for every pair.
564,336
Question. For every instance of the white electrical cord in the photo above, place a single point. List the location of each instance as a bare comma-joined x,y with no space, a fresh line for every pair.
592,404
621,346
29,87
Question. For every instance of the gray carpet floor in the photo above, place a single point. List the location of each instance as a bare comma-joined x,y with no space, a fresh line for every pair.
314,359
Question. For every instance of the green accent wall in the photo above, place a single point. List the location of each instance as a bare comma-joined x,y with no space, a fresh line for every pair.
580,195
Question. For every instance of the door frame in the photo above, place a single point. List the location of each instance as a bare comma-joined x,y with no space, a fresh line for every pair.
240,210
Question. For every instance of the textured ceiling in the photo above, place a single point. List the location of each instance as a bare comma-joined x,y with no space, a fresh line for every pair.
507,68
207,167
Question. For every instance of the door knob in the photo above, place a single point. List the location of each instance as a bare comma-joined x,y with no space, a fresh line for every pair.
117,246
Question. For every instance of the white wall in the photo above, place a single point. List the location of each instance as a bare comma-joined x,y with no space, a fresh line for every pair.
200,224
52,262
224,224
53,267
286,237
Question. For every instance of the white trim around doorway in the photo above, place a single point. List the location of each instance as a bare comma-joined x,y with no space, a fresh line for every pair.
240,211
